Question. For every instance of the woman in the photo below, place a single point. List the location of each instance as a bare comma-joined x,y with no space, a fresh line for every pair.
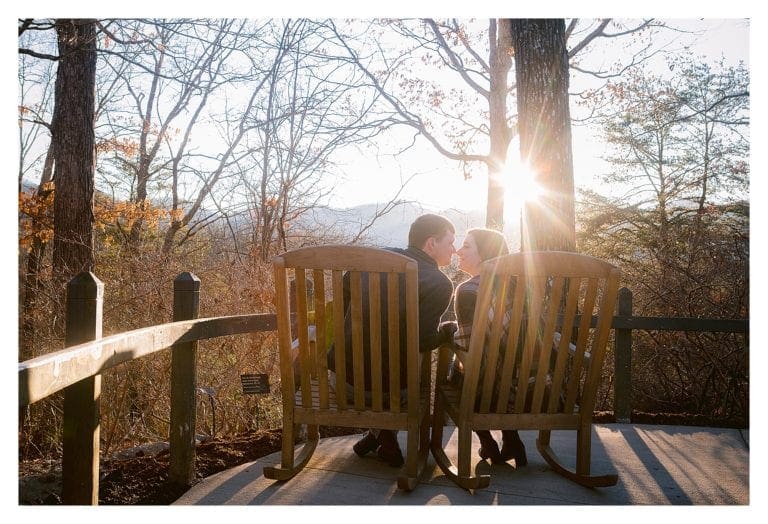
481,245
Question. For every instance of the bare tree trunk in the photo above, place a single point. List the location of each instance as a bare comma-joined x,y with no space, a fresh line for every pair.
500,61
73,148
544,125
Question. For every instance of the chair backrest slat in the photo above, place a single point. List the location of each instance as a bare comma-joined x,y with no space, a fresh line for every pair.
338,338
563,347
602,332
527,353
283,323
393,327
374,306
554,295
302,326
318,279
574,386
356,305
497,327
535,287
412,335
511,353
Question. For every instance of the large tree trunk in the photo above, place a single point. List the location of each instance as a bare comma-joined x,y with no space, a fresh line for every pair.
544,125
73,147
500,61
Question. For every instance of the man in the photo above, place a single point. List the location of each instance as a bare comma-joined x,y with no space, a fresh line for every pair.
430,244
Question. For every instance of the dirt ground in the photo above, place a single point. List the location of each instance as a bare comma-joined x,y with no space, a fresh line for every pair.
142,477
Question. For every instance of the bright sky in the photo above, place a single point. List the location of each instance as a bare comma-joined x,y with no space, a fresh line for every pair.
439,184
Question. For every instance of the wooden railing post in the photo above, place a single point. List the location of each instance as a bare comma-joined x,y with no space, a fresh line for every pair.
186,306
622,402
80,455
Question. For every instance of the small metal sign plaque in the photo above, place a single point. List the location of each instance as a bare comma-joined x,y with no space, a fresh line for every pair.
255,383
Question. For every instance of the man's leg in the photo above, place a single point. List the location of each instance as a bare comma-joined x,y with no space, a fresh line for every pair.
389,449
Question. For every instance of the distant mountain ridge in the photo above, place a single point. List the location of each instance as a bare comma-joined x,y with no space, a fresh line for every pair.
391,229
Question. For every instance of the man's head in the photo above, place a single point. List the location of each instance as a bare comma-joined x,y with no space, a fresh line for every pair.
434,235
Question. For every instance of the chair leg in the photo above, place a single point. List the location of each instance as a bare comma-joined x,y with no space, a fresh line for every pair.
290,463
419,449
436,441
583,450
581,475
461,475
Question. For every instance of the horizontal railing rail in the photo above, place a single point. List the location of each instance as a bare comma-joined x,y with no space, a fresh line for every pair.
45,375
77,370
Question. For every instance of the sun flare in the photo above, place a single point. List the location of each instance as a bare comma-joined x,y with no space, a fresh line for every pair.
520,186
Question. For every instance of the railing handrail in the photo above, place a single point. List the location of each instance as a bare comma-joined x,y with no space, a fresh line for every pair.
47,374
710,325
43,376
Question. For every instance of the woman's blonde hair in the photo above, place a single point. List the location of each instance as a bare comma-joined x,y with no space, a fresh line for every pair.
490,243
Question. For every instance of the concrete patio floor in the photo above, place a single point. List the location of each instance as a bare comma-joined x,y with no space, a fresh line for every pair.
657,465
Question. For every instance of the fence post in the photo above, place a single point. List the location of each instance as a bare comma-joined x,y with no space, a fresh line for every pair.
80,447
186,306
622,402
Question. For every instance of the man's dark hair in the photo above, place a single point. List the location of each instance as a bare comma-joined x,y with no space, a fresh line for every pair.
426,226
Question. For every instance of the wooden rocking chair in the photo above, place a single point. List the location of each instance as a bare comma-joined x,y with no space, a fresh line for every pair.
377,292
534,359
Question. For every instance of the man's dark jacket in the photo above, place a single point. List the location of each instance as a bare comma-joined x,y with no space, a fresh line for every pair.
435,290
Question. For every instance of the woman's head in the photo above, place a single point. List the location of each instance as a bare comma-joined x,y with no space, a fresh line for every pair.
480,245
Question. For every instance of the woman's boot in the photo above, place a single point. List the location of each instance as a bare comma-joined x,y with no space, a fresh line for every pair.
489,449
513,448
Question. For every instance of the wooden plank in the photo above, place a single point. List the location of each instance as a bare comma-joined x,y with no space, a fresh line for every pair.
511,351
563,350
81,419
712,325
493,343
587,307
600,341
340,355
358,359
545,351
412,344
353,418
318,278
181,434
622,388
302,326
536,301
45,375
374,327
708,325
393,319
347,258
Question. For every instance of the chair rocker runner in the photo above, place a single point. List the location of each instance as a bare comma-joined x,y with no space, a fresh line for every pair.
533,362
368,289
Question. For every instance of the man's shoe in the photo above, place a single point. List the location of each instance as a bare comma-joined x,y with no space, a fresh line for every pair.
366,444
489,449
389,449
513,448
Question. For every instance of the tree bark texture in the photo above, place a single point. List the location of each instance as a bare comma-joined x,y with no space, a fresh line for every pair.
73,146
501,62
544,126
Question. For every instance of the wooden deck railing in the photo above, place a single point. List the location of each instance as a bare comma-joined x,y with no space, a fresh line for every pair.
77,370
